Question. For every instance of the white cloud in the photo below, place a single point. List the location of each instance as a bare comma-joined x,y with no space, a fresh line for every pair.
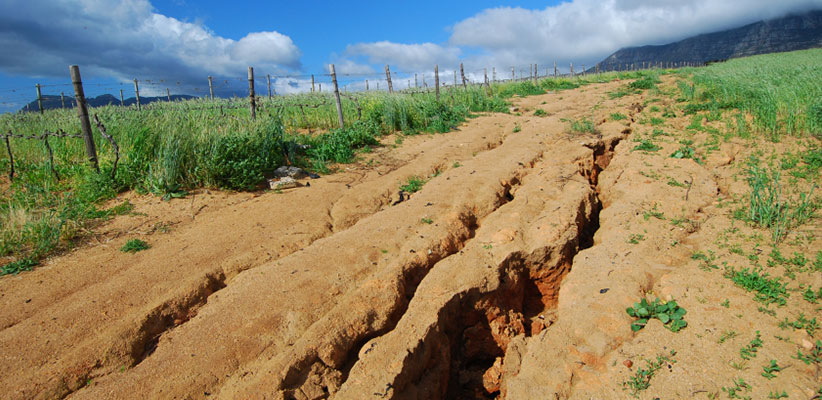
126,39
589,30
410,57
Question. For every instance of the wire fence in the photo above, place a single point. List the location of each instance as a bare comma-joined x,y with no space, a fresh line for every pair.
153,89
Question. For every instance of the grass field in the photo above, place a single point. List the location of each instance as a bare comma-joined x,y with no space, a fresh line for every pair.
170,148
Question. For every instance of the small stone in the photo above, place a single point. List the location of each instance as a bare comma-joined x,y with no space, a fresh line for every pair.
537,327
290,172
807,344
282,183
628,363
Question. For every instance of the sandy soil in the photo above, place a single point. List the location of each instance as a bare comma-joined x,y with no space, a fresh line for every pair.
506,276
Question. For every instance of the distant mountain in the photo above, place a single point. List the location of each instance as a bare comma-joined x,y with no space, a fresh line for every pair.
51,102
793,32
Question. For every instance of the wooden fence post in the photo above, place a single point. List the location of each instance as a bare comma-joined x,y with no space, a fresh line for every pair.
122,101
572,70
168,93
462,74
455,78
337,95
268,77
312,84
555,69
493,74
251,93
137,94
388,78
11,157
416,83
82,113
513,77
583,69
63,99
366,85
39,99
536,73
210,89
437,81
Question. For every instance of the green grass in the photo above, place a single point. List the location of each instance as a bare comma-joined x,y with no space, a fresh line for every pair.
413,184
767,290
669,313
618,116
134,245
780,91
641,380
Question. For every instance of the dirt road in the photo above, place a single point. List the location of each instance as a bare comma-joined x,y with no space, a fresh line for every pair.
510,262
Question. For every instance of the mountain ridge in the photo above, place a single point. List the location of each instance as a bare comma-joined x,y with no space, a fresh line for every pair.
789,33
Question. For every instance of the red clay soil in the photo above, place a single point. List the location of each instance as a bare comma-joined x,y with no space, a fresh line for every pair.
506,276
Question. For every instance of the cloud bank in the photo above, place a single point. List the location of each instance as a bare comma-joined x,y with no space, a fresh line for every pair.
579,31
127,39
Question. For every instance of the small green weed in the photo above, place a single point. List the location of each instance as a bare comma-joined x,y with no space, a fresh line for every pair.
653,213
635,238
669,313
748,351
814,356
134,245
540,113
726,335
427,221
413,184
768,290
777,395
618,116
768,370
809,325
646,145
641,380
739,386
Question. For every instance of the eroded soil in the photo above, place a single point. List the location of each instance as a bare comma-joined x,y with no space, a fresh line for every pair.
506,276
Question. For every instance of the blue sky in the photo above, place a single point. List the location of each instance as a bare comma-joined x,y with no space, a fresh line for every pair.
177,43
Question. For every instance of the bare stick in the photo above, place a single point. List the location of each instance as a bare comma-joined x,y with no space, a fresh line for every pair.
39,98
251,93
268,76
312,84
168,94
82,113
337,95
122,101
462,74
11,157
137,94
210,89
437,81
388,78
113,144
51,155
63,99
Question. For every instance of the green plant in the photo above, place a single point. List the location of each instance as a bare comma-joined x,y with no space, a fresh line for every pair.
635,238
812,297
427,221
618,116
749,350
584,125
646,145
134,245
739,386
641,380
768,370
768,290
15,267
726,304
777,395
809,325
669,313
540,113
456,164
647,214
814,356
413,184
517,127
726,335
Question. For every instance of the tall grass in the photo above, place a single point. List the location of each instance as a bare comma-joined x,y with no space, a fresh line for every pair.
781,91
169,148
